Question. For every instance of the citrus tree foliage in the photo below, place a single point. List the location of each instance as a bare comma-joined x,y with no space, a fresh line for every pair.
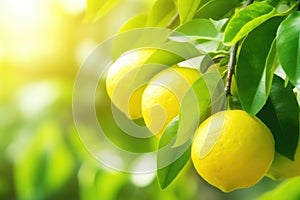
263,39
97,9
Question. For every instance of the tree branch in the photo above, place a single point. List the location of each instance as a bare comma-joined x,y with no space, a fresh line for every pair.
230,71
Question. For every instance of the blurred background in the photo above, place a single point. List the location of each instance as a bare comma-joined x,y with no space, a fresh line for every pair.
42,45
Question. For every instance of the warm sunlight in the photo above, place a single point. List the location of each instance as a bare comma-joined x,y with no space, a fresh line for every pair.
32,29
25,25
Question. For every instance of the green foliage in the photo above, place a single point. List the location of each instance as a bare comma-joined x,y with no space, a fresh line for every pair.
196,105
174,158
256,66
99,8
281,115
173,52
161,13
194,30
45,166
187,9
138,21
288,190
216,9
246,20
288,46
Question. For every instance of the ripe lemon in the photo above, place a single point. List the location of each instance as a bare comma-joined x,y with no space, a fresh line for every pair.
232,150
120,82
283,167
163,94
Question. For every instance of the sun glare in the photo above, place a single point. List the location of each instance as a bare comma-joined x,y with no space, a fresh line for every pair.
25,15
32,29
21,25
73,6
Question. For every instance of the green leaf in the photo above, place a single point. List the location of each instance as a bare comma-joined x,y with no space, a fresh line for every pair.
45,165
203,2
194,30
271,63
174,158
97,9
246,20
138,21
161,13
255,66
281,115
172,53
187,9
206,96
216,9
289,189
138,38
206,62
288,45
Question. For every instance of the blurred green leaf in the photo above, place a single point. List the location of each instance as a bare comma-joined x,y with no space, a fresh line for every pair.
99,8
138,38
287,190
216,9
177,156
281,115
45,165
288,45
195,29
161,13
187,9
108,184
199,101
96,182
203,2
173,52
86,177
255,66
138,21
246,20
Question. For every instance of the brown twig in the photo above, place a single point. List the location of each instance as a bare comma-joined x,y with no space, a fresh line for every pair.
230,70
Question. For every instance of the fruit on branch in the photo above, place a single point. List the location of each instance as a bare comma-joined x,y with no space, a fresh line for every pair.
282,167
232,150
120,81
163,94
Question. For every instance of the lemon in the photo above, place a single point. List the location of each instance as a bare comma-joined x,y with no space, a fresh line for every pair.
282,167
163,94
120,82
232,150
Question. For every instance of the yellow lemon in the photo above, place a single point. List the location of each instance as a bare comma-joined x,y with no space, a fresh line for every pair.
232,150
121,81
282,167
163,94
